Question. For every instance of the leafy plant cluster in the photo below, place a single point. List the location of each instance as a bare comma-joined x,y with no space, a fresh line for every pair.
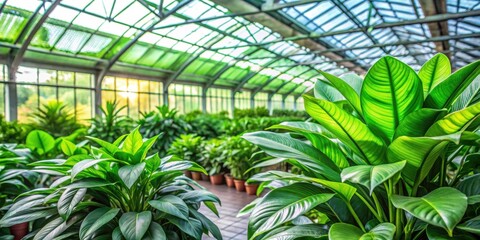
111,125
396,158
256,112
289,113
236,127
207,125
12,132
116,191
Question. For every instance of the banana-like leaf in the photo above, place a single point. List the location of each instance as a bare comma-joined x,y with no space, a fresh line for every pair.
284,146
434,71
323,90
456,121
445,93
346,90
69,200
469,96
249,207
443,207
372,176
284,204
472,225
172,205
134,225
130,173
313,231
350,130
319,141
344,231
391,90
416,124
420,153
95,220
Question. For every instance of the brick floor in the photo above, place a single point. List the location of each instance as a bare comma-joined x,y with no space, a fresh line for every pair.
232,228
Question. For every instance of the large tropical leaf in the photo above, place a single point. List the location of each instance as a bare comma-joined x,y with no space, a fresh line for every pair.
434,71
456,121
346,90
344,231
284,204
323,90
472,225
284,146
391,90
82,165
95,220
41,141
470,185
133,142
155,231
445,93
372,176
417,123
172,205
443,207
130,173
69,200
55,228
313,231
350,130
134,225
207,224
469,96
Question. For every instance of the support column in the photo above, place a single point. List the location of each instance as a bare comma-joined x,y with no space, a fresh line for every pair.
11,96
204,99
165,94
269,103
232,102
98,95
283,101
252,100
295,103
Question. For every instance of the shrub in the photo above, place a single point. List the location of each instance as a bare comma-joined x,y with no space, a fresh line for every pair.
206,125
116,192
256,112
239,153
214,156
398,165
187,147
12,132
111,125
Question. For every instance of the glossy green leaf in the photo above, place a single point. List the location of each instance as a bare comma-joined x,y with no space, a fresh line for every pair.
130,173
472,225
208,224
436,233
348,129
155,232
82,165
456,121
23,217
192,227
469,96
470,185
391,90
417,123
143,150
134,225
434,71
344,231
314,231
55,227
40,140
172,205
111,148
323,90
95,220
346,90
284,204
443,207
89,183
117,234
133,142
69,200
282,145
445,93
68,148
372,176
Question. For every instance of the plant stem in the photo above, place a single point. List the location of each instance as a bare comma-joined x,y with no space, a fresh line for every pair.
380,210
388,186
408,228
357,219
369,206
442,171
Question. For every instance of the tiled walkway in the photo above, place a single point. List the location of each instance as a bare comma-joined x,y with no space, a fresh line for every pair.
232,201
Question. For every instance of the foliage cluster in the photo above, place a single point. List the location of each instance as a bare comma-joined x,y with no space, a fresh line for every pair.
256,112
111,125
12,132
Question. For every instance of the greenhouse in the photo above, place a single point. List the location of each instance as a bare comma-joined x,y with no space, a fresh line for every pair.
239,119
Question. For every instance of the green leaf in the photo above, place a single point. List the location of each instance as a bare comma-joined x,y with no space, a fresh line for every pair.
344,231
347,128
31,215
155,232
417,123
284,204
89,183
313,231
470,185
55,228
69,200
134,225
456,121
192,227
247,209
41,141
84,164
445,93
323,90
391,90
207,223
434,71
68,148
472,225
95,220
111,148
469,96
142,151
133,142
436,233
130,173
372,176
117,234
443,207
346,90
282,145
172,205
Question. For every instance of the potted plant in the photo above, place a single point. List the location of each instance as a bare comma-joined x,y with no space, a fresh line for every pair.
188,147
213,159
229,180
116,191
392,156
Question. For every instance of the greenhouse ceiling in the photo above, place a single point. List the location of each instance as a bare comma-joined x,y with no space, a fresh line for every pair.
273,46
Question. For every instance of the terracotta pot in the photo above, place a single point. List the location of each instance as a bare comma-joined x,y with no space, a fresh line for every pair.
239,185
229,180
205,177
19,230
196,176
251,188
216,179
188,174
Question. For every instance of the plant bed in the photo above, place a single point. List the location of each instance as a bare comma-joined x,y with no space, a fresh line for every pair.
239,185
216,179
